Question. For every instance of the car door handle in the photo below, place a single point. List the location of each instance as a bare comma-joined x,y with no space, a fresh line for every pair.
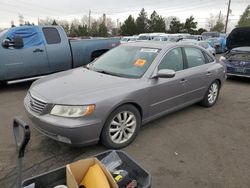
209,73
38,50
183,81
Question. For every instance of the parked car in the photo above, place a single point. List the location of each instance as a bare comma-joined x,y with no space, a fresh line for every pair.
125,88
218,43
162,37
210,34
129,39
177,37
202,44
193,37
31,51
237,59
149,36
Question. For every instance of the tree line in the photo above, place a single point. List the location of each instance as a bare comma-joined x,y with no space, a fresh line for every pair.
156,23
142,24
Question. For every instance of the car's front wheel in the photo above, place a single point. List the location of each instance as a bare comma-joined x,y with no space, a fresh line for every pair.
211,95
121,127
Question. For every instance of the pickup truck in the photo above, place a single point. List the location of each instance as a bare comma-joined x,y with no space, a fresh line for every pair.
28,52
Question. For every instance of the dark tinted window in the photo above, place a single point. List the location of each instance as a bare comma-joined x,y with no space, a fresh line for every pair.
172,60
194,57
51,35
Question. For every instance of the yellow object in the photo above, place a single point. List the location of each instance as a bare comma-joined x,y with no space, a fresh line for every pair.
118,177
95,178
140,63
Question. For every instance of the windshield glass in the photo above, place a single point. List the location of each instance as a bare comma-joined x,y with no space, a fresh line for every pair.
125,61
2,33
207,35
143,37
191,37
124,39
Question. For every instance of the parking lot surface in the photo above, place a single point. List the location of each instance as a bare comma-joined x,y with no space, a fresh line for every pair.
194,147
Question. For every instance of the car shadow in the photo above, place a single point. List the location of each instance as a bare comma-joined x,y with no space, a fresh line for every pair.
235,79
15,87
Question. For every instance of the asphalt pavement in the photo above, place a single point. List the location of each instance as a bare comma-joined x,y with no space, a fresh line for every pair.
194,147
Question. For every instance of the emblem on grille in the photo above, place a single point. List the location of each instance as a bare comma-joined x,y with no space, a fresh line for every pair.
243,63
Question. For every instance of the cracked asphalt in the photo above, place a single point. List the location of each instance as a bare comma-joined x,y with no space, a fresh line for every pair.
194,147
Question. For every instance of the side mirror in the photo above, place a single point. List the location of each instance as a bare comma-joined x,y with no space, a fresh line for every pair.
6,43
18,42
165,73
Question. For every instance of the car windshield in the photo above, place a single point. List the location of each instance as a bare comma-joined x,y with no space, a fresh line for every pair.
124,39
143,37
125,61
191,37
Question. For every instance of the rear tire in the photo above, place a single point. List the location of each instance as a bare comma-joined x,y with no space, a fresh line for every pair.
121,127
211,95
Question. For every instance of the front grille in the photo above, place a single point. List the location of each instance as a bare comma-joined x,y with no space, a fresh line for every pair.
36,104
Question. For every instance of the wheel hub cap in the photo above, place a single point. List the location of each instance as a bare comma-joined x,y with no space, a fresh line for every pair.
122,127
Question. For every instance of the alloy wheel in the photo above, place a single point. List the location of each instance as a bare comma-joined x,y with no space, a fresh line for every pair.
122,127
213,93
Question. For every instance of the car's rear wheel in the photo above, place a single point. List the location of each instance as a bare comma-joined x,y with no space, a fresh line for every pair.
211,95
121,127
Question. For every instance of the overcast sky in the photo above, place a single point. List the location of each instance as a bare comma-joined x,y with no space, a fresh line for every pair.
70,9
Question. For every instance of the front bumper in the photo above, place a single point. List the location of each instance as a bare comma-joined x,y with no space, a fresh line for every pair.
75,131
237,71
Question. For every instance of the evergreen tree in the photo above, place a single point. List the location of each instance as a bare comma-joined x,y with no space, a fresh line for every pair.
82,30
129,27
102,30
245,18
175,26
219,26
190,25
73,32
156,23
94,29
142,22
54,22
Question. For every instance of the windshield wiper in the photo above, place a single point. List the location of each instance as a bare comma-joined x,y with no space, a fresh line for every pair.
108,73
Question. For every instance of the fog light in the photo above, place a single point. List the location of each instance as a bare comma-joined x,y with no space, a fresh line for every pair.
64,139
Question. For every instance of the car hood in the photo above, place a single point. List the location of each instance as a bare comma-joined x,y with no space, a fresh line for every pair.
239,37
76,86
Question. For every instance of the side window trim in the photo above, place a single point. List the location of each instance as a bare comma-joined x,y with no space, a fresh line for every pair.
184,59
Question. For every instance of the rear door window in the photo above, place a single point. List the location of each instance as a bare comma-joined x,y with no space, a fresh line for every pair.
51,35
194,56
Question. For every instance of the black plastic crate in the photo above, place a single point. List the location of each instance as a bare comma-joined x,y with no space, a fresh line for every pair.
58,176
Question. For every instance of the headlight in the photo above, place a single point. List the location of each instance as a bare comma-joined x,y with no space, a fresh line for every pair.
72,111
222,59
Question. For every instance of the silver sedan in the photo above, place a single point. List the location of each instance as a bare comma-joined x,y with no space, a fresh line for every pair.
125,88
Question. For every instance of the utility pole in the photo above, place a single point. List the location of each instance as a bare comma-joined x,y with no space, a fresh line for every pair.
220,15
89,18
228,11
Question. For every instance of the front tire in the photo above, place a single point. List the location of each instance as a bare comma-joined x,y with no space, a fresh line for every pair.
121,127
211,95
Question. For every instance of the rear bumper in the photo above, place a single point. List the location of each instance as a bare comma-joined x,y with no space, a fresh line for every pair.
239,75
77,132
